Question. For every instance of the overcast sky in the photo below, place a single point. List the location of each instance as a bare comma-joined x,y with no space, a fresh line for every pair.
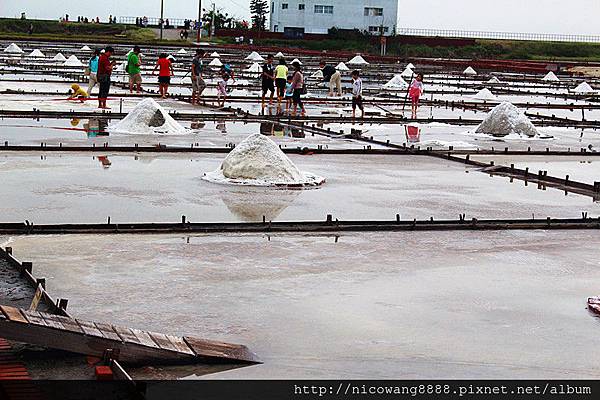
543,16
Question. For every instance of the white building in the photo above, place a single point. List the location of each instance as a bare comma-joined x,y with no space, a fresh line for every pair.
296,17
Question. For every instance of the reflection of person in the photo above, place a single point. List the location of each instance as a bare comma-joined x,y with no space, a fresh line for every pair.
415,92
266,128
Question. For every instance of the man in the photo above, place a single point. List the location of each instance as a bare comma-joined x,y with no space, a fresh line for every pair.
105,67
198,84
268,80
331,75
357,90
134,63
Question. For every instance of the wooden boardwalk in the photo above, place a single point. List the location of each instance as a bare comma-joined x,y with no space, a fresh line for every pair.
133,346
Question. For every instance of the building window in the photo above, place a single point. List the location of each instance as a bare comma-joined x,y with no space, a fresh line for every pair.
284,6
323,9
378,29
300,7
373,12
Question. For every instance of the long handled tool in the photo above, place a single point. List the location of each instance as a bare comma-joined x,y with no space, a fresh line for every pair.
407,92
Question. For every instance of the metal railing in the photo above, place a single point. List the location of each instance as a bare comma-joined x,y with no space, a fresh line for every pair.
451,33
154,21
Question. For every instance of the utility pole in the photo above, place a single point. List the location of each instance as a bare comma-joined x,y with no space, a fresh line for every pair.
162,14
212,23
199,36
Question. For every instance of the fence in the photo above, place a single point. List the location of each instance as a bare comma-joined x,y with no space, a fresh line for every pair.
549,37
154,21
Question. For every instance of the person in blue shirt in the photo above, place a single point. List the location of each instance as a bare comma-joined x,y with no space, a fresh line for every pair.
289,94
93,67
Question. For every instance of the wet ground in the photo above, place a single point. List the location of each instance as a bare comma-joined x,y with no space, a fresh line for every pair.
481,305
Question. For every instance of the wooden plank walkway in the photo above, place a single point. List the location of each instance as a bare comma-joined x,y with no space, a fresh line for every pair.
132,345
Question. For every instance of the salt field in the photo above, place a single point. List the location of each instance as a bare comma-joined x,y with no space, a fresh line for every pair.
459,244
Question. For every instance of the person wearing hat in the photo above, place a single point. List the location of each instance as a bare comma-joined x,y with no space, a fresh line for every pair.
78,93
105,68
331,76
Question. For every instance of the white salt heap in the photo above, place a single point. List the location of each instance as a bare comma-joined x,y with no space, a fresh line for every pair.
149,118
215,54
36,53
216,63
317,74
73,61
13,49
85,48
584,87
258,161
255,67
59,57
170,57
295,60
506,119
358,60
182,51
342,67
407,73
254,56
396,83
494,79
279,55
551,77
410,66
485,94
469,71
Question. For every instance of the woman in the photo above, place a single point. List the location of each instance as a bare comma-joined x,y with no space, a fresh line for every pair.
281,72
298,88
415,93
93,67
165,72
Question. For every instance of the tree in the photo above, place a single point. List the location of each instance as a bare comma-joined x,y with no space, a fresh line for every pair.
259,10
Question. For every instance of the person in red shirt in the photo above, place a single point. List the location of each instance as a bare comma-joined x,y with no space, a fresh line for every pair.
105,67
165,72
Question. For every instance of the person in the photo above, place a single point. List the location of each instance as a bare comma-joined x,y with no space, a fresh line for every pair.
357,89
415,92
78,93
268,80
105,68
93,67
289,93
222,89
298,88
198,84
331,76
281,72
30,30
226,69
165,72
134,70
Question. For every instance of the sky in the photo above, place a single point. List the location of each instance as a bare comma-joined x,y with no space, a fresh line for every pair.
536,16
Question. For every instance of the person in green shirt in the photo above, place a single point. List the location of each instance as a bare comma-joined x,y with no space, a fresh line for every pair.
134,62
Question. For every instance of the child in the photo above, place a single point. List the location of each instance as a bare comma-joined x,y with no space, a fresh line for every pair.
289,94
357,89
77,93
415,92
222,89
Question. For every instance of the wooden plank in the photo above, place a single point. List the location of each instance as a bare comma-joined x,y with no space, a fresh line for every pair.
144,338
210,349
180,344
68,323
162,341
126,335
13,314
34,317
51,322
107,331
36,298
89,328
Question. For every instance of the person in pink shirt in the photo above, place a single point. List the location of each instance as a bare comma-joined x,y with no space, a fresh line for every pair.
415,92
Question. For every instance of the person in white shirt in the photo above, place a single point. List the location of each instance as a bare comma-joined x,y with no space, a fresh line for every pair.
357,89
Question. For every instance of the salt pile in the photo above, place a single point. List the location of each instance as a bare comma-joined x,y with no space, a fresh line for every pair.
170,57
148,117
214,54
254,56
13,49
469,71
85,48
36,53
494,79
410,66
59,57
584,87
182,51
279,55
258,161
295,60
342,67
551,77
73,61
506,119
358,60
485,94
407,73
397,82
215,63
255,67
317,74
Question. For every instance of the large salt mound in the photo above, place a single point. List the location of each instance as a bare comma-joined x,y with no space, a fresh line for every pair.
13,49
358,60
410,65
407,73
258,161
551,77
485,94
149,118
506,119
396,83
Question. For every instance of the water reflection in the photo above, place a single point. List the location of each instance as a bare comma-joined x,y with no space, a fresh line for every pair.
250,204
95,127
276,129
